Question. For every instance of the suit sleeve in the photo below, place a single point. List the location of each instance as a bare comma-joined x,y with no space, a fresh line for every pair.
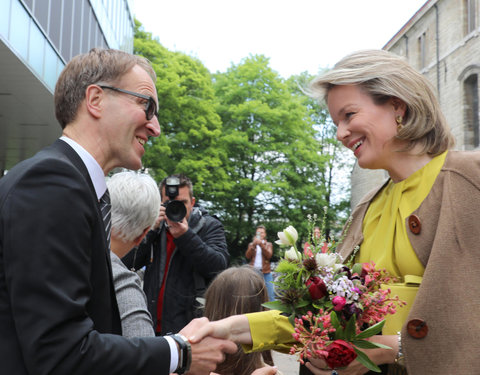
47,221
209,255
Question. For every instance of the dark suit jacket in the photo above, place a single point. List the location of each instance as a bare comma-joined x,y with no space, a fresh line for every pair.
58,313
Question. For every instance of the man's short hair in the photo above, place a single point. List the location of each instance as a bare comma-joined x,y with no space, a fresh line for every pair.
184,181
261,226
135,203
96,66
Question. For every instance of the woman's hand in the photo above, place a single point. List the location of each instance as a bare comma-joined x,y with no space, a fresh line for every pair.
234,328
266,370
378,356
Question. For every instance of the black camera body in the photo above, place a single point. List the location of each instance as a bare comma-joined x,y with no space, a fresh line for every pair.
175,210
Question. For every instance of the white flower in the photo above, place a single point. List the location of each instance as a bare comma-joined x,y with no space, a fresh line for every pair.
292,254
326,259
288,237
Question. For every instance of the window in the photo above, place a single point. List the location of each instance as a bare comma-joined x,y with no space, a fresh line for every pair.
470,24
422,51
471,108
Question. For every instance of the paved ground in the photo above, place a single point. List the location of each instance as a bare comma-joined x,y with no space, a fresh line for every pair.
287,364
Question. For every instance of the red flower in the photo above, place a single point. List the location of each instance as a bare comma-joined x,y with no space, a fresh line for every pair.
338,303
316,287
340,354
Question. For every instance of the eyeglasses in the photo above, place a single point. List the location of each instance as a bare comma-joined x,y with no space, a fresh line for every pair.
151,106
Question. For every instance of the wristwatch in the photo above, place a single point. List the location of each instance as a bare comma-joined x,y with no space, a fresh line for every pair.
184,353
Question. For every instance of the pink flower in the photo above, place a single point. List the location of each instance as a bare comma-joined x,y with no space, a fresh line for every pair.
316,287
338,303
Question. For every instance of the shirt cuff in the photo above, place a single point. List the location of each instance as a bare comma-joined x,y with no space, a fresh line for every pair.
173,353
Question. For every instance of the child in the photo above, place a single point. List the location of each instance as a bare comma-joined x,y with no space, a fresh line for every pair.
237,290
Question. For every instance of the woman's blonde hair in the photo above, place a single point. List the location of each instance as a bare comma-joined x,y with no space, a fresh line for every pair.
237,290
384,75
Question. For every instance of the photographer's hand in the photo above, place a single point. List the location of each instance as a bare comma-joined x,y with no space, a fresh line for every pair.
177,228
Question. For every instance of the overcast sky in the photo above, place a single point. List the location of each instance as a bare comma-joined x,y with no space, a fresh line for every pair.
297,35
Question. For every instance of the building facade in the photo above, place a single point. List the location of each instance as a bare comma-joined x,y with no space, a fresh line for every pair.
442,42
37,39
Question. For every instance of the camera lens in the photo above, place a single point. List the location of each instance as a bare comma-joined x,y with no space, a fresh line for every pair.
175,211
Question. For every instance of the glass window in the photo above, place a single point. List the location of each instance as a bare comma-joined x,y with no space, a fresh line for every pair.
36,49
67,31
41,13
55,22
77,28
4,17
19,26
86,22
50,75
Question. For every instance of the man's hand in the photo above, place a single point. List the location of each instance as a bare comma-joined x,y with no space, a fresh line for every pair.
177,229
161,217
266,370
207,352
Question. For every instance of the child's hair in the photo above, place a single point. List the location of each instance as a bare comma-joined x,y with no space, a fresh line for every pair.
237,290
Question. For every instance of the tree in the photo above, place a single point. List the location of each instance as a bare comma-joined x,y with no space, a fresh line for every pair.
188,120
272,153
338,161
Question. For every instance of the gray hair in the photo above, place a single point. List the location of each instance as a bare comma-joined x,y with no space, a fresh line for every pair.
135,203
98,65
384,75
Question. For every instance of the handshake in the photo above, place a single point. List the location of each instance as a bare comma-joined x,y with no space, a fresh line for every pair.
210,341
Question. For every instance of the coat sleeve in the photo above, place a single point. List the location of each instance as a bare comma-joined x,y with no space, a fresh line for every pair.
132,304
250,253
207,249
46,224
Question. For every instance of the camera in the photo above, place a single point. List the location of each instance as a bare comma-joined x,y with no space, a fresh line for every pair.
175,210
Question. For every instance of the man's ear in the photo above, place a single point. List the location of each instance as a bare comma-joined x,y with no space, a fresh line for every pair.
139,239
94,97
193,201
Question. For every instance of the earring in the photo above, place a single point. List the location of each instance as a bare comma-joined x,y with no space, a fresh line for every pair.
399,120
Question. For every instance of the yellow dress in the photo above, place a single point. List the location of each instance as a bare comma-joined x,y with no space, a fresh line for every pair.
385,235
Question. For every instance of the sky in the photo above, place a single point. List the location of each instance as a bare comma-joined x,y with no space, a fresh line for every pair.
296,35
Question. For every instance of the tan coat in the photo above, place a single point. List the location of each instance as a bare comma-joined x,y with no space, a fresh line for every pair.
448,245
267,252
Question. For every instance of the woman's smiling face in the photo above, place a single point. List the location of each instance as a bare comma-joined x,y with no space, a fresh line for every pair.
366,128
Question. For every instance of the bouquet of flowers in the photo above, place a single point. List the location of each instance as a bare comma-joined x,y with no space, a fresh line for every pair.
334,306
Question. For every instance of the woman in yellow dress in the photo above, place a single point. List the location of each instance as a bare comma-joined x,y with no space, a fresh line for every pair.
422,225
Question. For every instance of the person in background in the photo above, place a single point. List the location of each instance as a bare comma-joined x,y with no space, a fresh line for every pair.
259,253
135,202
237,290
181,257
58,311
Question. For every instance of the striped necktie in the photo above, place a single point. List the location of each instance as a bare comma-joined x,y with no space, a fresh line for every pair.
106,209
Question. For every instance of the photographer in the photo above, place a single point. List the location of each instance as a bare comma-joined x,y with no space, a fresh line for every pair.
259,254
182,254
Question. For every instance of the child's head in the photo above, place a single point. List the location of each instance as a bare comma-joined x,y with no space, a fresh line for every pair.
237,290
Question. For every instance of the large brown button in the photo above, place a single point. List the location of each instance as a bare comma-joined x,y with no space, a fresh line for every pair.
417,328
414,224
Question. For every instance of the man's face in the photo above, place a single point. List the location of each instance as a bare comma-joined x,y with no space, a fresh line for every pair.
126,128
261,232
184,197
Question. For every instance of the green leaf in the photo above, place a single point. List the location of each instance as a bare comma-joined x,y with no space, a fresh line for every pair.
367,362
365,344
277,305
370,331
350,329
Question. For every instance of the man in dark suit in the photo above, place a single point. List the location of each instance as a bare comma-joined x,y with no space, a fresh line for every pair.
58,312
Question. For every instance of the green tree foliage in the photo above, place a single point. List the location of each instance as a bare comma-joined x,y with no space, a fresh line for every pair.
190,126
274,157
338,161
257,149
